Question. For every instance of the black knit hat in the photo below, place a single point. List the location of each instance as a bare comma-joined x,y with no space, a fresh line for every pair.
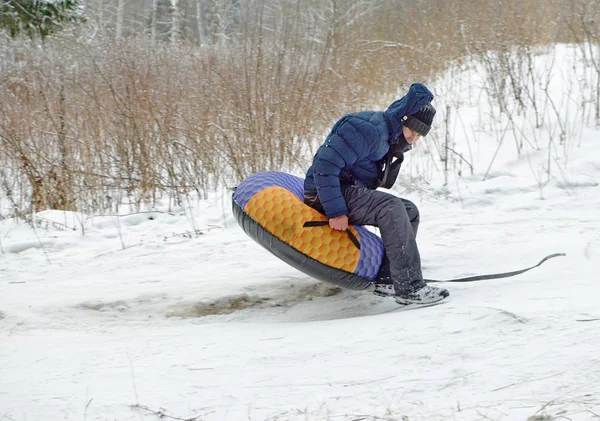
420,121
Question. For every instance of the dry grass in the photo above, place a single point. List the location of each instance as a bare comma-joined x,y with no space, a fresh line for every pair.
90,125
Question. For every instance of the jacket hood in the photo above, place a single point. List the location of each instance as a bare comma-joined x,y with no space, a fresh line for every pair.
417,97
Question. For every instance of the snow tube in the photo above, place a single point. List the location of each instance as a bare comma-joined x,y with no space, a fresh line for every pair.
269,206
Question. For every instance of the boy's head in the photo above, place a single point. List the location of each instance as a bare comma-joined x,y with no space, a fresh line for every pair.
420,122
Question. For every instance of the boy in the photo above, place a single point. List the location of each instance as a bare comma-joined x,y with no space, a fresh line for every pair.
354,161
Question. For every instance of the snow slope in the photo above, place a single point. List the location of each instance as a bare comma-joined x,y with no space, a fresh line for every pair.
178,314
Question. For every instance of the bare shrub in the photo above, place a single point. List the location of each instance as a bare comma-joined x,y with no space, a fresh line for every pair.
90,124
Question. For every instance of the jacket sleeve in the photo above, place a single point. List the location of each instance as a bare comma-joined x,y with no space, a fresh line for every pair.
345,145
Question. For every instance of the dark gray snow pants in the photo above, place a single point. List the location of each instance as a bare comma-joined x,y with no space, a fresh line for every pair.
398,222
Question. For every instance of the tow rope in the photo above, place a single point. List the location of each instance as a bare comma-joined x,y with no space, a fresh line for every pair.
497,275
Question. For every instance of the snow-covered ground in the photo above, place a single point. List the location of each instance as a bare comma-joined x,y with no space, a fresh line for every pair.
178,314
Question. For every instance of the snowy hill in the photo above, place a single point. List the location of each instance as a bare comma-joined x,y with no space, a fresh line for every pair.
178,314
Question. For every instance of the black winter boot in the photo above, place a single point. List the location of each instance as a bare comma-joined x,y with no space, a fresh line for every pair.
423,296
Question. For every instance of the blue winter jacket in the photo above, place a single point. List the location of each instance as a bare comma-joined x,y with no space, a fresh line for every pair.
353,151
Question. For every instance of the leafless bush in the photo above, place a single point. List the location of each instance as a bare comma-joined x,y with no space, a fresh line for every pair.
90,124
584,26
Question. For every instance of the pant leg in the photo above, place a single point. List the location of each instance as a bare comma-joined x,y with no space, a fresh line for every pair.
413,214
384,275
391,215
312,200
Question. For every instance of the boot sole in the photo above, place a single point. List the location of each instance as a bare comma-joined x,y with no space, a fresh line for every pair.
405,302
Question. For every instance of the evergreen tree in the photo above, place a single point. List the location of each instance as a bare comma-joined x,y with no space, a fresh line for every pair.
38,18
